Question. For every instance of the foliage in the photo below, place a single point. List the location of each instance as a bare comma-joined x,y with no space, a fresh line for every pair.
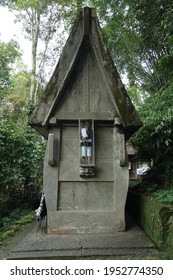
44,23
154,22
21,163
154,139
15,104
164,196
136,93
14,222
21,149
9,52
139,36
138,33
6,2
159,193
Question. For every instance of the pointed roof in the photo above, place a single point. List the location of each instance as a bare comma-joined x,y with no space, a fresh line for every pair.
84,49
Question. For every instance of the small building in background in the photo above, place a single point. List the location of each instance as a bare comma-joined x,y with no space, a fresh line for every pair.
133,162
137,169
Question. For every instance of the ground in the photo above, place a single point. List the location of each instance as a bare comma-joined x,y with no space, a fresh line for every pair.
28,236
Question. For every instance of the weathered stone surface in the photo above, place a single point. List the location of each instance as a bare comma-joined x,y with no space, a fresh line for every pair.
104,144
88,92
121,181
51,174
86,196
47,254
42,246
69,171
69,144
85,81
115,252
105,191
155,218
38,244
81,222
85,86
51,149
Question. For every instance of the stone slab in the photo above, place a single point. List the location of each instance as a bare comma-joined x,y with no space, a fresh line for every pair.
103,172
42,246
80,222
87,196
121,240
49,243
115,252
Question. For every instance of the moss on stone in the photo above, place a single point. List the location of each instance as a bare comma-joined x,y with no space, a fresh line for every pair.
154,218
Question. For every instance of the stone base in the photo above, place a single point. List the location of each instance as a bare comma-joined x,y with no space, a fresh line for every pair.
38,245
70,222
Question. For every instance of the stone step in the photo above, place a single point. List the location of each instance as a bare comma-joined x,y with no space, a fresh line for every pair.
39,245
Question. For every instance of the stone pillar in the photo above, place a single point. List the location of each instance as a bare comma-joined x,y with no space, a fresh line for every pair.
51,170
121,176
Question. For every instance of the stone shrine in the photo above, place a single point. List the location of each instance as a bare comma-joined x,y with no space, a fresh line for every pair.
87,116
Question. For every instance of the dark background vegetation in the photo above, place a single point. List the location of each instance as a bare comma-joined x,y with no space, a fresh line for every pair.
139,35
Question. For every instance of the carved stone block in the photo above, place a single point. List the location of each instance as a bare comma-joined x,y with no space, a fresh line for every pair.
51,149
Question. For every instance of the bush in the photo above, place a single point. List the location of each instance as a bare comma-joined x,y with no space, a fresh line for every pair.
21,153
17,219
154,139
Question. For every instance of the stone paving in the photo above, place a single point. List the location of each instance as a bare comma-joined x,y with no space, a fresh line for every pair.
38,245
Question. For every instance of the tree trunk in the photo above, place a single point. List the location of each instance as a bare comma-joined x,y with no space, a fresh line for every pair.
35,26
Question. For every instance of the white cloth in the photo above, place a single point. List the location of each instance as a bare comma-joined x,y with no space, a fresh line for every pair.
143,170
84,132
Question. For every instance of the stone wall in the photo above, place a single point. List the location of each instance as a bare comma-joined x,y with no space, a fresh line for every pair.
86,205
154,218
